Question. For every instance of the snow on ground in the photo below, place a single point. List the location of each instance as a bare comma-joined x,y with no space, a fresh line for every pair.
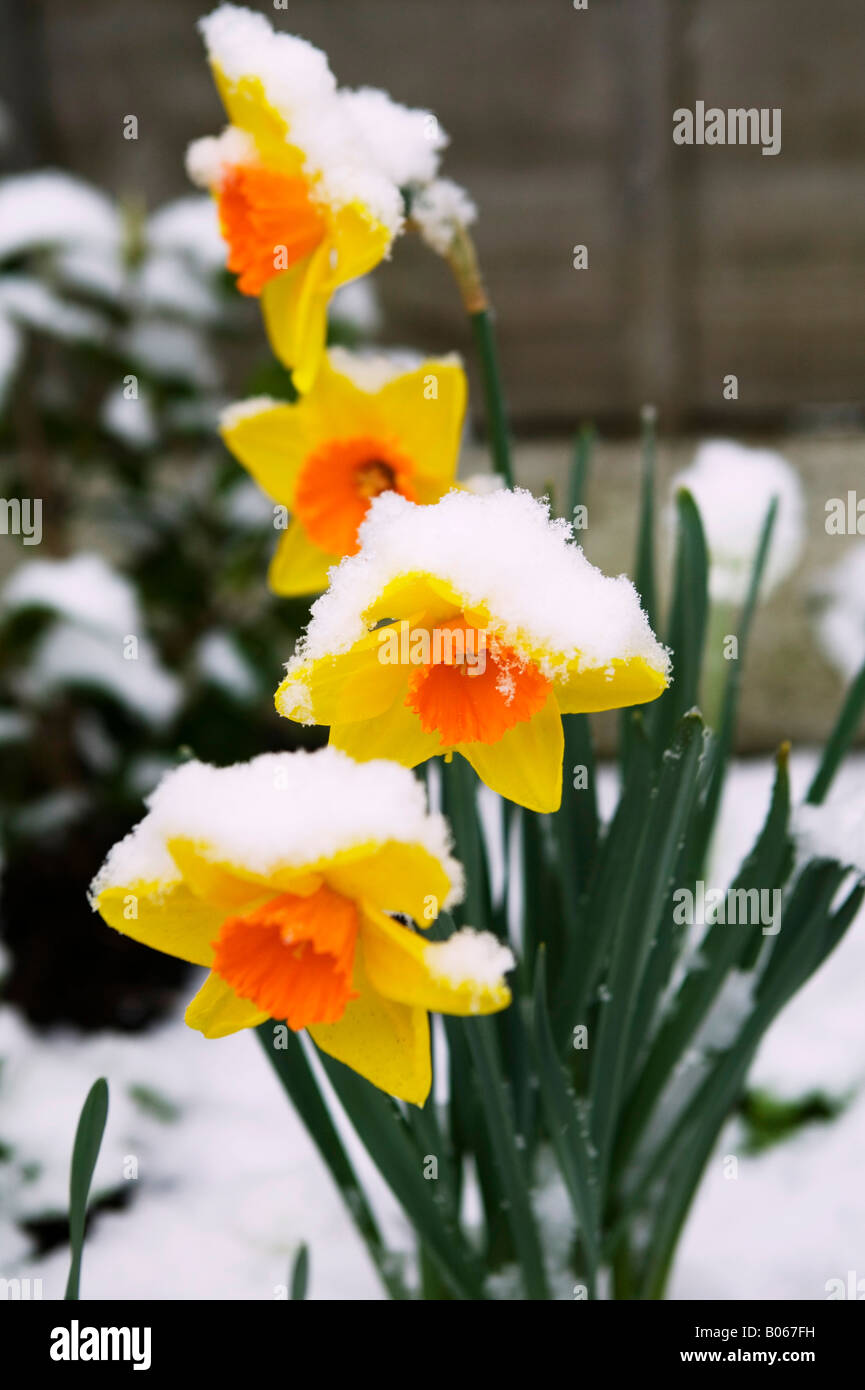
227,1191
794,1218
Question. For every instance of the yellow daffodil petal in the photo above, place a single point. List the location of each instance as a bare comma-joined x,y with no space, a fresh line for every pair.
232,887
398,876
401,965
247,108
217,1011
272,445
420,597
294,305
354,685
386,1042
360,243
167,917
299,566
525,764
397,734
428,426
616,686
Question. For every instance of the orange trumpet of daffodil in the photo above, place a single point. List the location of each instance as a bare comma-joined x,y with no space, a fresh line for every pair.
280,875
302,206
371,424
471,627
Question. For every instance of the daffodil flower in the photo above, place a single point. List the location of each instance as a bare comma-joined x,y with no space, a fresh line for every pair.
371,424
470,627
302,205
280,875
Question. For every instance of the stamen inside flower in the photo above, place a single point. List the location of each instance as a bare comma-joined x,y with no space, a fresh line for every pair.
337,483
293,956
269,222
475,690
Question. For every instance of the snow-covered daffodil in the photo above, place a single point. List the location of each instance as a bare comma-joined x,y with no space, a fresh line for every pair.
279,875
470,627
371,424
303,205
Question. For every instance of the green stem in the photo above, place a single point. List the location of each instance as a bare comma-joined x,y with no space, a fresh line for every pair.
497,424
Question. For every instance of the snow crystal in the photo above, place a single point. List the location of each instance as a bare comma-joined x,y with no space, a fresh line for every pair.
405,143
51,207
441,210
502,552
733,488
471,957
280,810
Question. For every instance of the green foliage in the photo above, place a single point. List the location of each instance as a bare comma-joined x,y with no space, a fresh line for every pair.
630,1038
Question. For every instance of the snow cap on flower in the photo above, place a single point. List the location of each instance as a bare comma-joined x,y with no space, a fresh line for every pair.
280,811
486,587
281,875
500,552
733,488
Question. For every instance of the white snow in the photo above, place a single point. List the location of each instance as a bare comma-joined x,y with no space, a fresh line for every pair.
69,655
220,660
50,207
277,811
733,488
501,551
841,623
371,370
440,211
208,159
130,418
10,356
405,143
226,1193
355,305
97,613
171,351
471,957
188,227
28,301
83,588
835,830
